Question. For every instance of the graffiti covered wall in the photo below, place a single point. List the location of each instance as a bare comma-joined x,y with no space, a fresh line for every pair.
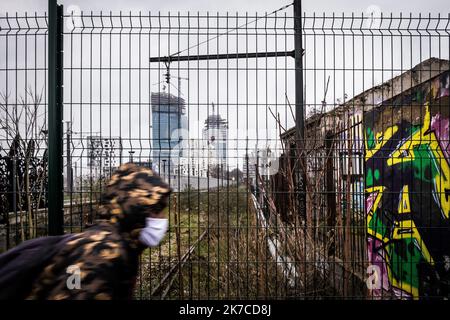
407,192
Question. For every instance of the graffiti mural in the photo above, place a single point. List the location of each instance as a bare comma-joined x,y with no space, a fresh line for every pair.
407,188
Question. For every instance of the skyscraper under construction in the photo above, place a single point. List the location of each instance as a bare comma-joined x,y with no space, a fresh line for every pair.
168,115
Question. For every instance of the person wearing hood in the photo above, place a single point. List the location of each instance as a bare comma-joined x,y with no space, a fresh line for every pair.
105,256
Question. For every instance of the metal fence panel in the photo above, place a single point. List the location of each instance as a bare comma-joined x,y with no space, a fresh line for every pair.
209,101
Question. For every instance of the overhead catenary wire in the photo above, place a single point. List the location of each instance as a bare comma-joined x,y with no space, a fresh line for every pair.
233,29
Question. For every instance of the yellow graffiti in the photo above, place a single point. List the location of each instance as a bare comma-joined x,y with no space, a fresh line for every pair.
379,194
406,229
380,141
403,229
404,153
404,205
442,183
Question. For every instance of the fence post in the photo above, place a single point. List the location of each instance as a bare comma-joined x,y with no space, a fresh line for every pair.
299,108
331,194
55,112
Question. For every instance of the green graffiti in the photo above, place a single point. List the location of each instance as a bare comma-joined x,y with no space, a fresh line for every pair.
377,174
369,178
404,260
377,226
419,96
370,139
425,165
407,202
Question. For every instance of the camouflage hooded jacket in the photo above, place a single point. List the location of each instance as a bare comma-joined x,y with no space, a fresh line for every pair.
105,256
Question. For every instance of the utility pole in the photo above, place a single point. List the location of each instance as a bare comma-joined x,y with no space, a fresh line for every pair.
76,176
69,173
131,155
55,112
299,108
164,168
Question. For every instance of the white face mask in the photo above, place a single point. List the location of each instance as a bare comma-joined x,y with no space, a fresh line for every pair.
154,231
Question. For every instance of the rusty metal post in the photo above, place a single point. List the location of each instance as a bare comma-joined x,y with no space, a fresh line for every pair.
299,108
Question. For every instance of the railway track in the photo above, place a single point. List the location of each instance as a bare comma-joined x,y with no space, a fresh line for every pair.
167,280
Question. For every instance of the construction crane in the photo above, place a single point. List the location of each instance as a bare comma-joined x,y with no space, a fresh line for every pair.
179,83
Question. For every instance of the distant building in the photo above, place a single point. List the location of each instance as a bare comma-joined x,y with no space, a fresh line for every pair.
104,154
194,161
146,164
168,115
215,134
203,157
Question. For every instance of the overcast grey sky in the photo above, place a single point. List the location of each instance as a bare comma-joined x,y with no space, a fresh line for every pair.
357,6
